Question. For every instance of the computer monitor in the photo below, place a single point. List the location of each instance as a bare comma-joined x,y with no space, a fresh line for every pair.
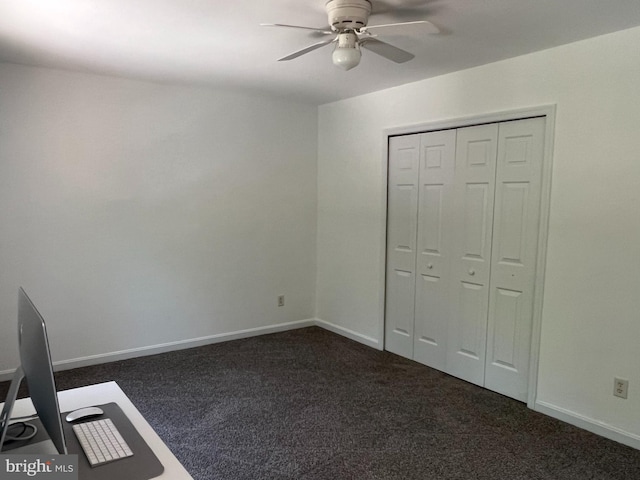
37,369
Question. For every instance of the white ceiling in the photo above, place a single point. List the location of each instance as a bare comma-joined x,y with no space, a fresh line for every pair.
220,43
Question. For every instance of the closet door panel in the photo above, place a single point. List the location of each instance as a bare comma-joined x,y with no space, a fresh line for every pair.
432,310
471,317
437,163
402,198
515,238
507,306
474,186
400,308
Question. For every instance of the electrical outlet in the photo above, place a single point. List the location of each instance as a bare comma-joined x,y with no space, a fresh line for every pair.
281,300
620,387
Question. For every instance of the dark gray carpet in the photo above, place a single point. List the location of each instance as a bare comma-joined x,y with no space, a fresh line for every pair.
308,404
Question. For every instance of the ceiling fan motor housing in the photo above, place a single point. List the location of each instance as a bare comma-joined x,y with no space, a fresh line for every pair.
348,14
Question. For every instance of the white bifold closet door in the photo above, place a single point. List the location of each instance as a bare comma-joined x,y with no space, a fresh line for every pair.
463,214
432,302
471,259
514,255
402,211
416,314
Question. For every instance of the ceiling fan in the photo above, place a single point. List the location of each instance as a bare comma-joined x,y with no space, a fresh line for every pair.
348,25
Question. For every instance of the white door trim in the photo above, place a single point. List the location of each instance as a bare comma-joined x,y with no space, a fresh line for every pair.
547,111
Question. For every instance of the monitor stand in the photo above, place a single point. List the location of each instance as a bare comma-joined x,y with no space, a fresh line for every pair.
39,444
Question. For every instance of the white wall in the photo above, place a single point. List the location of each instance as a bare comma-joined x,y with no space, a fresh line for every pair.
137,214
591,314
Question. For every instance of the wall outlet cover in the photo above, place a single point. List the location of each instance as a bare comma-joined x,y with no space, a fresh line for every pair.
620,387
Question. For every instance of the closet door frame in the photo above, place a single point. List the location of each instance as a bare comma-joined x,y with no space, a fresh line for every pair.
546,111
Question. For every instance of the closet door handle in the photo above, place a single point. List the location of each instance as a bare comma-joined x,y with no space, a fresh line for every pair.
472,272
430,266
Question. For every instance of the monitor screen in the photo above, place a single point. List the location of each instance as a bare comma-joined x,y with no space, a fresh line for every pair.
37,368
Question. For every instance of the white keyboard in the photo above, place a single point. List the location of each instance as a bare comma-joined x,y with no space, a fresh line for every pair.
101,441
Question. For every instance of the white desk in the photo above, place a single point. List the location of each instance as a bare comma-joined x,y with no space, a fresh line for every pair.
106,393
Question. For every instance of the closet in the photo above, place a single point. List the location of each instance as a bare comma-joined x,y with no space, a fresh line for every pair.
462,237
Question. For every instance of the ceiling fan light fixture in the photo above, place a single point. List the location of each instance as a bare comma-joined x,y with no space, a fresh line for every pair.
346,58
347,53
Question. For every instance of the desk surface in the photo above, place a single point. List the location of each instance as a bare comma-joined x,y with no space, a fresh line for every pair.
110,392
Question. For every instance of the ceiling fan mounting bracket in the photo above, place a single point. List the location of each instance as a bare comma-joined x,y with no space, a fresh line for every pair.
348,14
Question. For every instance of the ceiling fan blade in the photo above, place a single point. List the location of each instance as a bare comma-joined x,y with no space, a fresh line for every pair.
322,31
385,50
421,26
308,49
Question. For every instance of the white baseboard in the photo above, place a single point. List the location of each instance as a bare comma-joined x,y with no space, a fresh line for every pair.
200,341
345,332
170,346
589,424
